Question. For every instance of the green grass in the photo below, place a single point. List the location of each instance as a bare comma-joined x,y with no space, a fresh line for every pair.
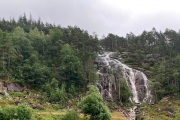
51,112
156,112
54,115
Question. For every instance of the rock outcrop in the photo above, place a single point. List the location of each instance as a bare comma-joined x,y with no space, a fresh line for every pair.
11,86
5,87
109,66
14,87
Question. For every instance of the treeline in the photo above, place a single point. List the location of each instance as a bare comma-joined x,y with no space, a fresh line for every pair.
156,52
46,57
60,60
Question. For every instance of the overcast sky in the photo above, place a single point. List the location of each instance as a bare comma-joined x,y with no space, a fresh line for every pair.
101,16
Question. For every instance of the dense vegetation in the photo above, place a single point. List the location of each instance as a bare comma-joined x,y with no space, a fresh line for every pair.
59,61
156,53
22,112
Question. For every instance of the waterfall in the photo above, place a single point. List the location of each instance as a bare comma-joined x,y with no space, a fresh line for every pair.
129,76
135,79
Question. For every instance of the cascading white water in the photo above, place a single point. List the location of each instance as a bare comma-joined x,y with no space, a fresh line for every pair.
129,76
136,80
148,93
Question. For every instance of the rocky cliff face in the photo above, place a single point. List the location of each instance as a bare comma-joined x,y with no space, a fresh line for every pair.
109,68
108,65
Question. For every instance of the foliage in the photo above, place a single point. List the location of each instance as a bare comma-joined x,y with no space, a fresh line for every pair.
154,51
92,105
35,75
56,93
125,92
70,115
22,112
8,114
71,70
33,52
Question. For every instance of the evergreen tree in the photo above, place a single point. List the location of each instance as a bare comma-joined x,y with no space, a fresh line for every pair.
71,71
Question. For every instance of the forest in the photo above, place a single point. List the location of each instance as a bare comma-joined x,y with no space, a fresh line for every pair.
59,62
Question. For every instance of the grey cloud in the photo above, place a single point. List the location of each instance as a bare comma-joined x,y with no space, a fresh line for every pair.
160,21
91,15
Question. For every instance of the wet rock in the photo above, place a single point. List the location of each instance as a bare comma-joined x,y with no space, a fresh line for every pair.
109,67
140,86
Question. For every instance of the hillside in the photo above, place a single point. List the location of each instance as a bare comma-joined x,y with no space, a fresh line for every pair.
41,110
54,66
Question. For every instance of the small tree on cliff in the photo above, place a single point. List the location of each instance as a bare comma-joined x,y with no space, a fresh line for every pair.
92,105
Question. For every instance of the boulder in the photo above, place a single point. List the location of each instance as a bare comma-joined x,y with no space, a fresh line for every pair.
17,102
14,87
39,107
165,99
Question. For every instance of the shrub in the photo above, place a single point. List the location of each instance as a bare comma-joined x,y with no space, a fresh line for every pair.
92,105
70,115
24,112
8,114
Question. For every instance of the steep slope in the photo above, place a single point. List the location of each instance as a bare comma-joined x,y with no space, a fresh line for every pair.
108,65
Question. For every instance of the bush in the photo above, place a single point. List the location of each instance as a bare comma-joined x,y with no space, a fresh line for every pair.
70,115
22,112
92,105
7,114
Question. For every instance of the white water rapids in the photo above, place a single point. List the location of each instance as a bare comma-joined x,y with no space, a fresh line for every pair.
136,80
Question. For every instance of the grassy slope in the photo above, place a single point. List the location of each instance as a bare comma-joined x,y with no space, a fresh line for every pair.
51,112
157,112
42,114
